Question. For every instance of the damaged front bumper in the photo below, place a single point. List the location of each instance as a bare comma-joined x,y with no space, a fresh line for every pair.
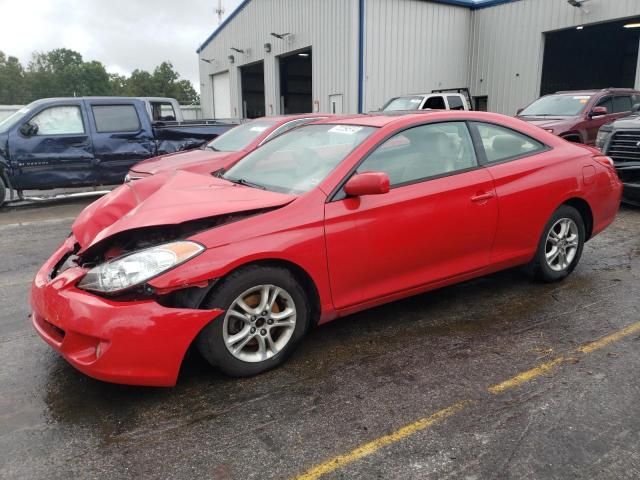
131,342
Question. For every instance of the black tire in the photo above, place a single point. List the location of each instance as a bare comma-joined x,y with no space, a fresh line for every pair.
210,341
539,266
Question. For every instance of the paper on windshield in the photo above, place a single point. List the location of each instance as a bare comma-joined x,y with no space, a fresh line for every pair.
346,129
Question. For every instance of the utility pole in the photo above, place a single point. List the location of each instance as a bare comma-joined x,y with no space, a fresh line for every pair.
220,11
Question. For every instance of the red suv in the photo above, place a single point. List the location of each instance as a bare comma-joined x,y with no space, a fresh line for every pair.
577,116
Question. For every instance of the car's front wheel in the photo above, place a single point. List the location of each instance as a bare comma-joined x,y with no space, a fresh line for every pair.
266,314
560,246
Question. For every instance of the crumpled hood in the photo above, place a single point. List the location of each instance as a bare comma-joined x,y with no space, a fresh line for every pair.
549,122
168,198
183,160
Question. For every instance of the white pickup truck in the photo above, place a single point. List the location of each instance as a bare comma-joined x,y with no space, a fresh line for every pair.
427,101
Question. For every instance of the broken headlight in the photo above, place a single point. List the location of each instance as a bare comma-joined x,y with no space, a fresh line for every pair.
138,267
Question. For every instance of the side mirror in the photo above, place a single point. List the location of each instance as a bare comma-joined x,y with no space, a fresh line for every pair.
368,183
599,111
519,111
635,108
28,129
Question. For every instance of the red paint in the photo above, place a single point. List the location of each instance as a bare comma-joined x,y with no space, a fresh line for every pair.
584,126
358,251
207,161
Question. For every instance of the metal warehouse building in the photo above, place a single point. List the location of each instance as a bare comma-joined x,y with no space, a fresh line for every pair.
289,56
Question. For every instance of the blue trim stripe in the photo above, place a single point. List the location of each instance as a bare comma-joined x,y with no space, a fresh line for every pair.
472,4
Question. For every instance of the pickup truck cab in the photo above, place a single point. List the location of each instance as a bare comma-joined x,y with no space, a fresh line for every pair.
80,142
424,101
226,149
577,116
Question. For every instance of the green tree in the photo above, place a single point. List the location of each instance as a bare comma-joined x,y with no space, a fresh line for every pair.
64,73
11,80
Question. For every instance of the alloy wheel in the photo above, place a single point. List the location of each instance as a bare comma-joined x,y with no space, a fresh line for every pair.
562,244
259,323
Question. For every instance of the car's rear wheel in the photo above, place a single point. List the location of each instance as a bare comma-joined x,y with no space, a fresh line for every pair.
560,246
266,314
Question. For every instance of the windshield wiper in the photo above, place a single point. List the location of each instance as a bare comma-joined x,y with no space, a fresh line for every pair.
212,148
246,183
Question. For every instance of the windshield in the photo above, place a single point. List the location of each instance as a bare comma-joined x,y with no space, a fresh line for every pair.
12,119
404,103
557,105
298,160
239,138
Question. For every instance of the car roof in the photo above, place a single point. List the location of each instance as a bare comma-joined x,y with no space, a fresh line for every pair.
378,119
593,92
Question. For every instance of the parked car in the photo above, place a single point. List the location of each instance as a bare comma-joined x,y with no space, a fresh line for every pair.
423,101
226,149
321,222
78,142
620,140
578,115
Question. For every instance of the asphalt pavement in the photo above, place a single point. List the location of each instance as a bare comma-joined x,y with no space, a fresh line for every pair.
496,378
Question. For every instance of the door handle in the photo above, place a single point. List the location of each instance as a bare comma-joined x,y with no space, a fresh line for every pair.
80,144
482,197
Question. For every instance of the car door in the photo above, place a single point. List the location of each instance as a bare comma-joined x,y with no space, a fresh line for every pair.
122,136
437,221
56,153
523,170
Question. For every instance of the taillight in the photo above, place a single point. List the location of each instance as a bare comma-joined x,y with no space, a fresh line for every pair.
604,160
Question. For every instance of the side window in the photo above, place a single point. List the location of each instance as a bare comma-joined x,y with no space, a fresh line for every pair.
116,118
162,111
607,103
62,120
504,144
435,103
622,104
455,102
422,152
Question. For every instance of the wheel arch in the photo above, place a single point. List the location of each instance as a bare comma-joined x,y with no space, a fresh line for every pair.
586,212
298,272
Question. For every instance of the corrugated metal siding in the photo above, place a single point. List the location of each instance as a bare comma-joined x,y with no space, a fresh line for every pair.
413,46
330,27
507,45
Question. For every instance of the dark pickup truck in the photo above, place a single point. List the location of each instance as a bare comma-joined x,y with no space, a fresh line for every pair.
80,142
620,140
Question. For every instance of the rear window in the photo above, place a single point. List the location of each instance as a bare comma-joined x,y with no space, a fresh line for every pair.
116,118
455,102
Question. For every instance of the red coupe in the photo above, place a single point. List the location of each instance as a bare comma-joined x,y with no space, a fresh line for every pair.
226,149
323,221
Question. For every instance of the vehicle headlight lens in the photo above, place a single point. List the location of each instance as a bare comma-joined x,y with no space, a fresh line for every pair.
138,267
603,136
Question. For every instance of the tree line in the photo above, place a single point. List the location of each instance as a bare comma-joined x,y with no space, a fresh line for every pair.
64,73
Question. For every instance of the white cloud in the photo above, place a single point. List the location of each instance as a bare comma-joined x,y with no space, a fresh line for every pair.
122,34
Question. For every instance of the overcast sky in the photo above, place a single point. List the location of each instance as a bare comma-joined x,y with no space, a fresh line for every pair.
122,34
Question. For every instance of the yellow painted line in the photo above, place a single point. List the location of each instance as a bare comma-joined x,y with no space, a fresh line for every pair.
614,337
375,445
526,376
548,366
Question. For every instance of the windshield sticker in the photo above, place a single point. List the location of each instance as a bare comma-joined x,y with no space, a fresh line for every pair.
258,129
346,129
582,97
